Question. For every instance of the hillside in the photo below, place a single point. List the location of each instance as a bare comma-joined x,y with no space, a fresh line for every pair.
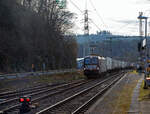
118,47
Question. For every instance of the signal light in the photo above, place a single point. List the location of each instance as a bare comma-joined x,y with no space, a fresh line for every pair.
21,100
24,99
25,104
28,99
141,47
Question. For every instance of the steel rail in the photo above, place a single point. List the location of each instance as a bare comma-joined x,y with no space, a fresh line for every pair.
15,93
94,98
45,96
44,111
39,92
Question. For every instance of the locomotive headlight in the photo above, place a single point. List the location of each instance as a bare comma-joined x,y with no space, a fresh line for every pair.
97,68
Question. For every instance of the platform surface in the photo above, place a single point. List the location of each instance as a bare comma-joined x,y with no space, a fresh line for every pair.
107,104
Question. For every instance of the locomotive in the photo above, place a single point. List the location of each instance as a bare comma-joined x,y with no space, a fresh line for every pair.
95,66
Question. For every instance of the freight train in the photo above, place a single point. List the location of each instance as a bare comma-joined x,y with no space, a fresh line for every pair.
95,66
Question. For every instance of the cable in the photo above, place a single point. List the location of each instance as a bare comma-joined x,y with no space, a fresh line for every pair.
95,24
123,26
120,28
98,14
82,12
76,6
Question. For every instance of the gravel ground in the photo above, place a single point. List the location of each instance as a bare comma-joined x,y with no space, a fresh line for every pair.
30,81
54,99
18,84
72,105
108,103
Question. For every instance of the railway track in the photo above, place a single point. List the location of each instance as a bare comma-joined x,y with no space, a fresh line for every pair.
79,102
9,94
12,94
12,103
55,95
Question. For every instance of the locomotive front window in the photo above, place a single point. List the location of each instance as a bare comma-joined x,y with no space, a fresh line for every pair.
94,61
91,60
87,61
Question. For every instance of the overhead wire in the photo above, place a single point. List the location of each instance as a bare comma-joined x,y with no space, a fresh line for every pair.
95,24
98,14
82,12
76,6
122,27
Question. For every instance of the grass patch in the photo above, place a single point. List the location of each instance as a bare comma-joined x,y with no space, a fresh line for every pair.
144,93
63,77
122,104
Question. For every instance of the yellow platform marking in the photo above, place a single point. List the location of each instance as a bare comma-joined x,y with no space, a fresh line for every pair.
134,72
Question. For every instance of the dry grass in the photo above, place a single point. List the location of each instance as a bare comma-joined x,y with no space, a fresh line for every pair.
64,77
122,104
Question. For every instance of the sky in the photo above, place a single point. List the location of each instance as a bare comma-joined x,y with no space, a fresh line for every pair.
116,16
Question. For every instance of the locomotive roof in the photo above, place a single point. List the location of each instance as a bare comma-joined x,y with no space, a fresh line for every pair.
99,57
79,59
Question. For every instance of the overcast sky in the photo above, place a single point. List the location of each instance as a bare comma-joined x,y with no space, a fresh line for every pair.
118,16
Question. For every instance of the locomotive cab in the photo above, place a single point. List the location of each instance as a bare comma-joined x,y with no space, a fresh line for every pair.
91,65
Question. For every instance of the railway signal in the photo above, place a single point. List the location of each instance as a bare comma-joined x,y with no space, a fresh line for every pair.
25,104
142,45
